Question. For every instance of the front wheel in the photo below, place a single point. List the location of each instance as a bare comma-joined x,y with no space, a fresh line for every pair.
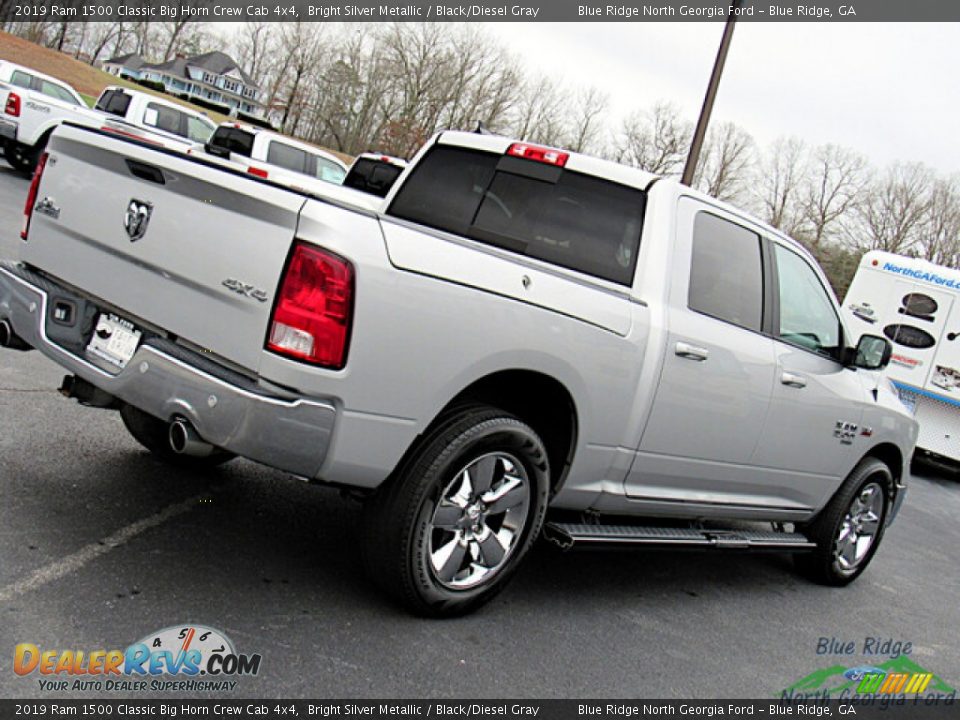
849,529
451,528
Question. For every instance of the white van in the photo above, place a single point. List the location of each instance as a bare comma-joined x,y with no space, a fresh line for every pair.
916,305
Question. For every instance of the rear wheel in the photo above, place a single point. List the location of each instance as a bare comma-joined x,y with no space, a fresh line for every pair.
849,529
20,157
154,435
449,531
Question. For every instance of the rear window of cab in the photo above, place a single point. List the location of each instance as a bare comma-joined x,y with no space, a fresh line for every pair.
541,211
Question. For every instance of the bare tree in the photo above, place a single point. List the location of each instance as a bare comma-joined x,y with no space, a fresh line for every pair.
939,238
655,140
352,95
254,44
303,43
479,82
779,183
415,57
835,178
99,36
724,161
38,32
890,213
538,112
586,120
171,32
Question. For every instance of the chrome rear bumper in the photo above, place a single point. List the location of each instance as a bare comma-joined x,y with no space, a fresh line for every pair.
165,380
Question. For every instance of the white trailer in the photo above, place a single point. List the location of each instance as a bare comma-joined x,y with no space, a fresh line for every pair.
916,305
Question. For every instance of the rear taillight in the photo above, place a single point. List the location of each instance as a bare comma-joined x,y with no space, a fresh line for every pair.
312,316
13,105
32,196
539,154
257,172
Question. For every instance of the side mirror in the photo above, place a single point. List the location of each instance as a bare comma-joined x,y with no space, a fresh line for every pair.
872,353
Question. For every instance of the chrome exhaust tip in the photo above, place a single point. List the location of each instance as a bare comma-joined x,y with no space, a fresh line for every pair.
184,440
6,332
9,339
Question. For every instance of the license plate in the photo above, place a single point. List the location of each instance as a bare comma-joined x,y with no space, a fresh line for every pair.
114,340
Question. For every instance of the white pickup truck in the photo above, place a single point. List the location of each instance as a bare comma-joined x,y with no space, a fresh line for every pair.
152,119
270,155
33,105
522,339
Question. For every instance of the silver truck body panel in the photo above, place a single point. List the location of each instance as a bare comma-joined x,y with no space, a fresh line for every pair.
205,228
657,432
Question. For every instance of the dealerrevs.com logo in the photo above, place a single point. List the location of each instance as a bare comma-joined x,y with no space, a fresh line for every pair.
178,658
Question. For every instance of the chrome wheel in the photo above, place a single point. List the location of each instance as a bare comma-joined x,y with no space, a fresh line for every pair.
478,521
859,528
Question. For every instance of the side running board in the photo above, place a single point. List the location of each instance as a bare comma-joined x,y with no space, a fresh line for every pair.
568,535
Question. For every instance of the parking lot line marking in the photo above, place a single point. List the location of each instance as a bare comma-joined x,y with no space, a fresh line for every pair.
75,561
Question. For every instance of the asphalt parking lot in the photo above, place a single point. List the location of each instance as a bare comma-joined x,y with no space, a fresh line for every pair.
100,545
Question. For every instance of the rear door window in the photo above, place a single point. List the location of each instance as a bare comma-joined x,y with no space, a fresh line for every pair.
287,156
21,79
59,92
198,130
726,272
329,171
164,118
567,218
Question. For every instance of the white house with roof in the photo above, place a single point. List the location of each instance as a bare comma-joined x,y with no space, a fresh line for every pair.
129,64
214,77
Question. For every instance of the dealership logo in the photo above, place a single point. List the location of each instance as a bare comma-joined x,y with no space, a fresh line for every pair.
898,680
137,218
179,657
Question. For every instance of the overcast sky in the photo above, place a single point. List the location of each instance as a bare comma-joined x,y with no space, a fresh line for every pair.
889,91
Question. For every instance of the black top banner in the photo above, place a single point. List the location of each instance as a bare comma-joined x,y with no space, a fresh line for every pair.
480,10
458,709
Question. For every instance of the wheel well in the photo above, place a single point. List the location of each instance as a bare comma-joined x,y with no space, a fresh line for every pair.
540,401
890,455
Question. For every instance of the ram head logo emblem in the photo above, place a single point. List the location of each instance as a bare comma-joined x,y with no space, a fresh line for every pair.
137,218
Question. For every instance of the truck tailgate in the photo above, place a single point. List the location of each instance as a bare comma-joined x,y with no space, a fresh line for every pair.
200,256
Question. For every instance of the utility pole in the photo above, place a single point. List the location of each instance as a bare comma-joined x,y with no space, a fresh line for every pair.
694,155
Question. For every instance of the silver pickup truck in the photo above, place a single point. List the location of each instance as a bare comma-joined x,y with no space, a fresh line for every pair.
521,340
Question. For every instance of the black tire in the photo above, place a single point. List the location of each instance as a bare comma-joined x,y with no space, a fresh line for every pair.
153,434
19,158
398,530
824,565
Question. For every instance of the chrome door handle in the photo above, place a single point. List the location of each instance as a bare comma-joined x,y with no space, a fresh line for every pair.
691,352
792,380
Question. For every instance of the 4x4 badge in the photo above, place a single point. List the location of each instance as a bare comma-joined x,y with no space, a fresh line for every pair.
137,218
